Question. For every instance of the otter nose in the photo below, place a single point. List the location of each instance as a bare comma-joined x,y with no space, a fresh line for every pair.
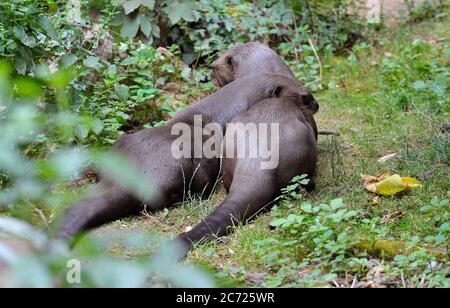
316,106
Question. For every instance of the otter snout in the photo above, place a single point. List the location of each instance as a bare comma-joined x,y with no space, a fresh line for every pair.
314,107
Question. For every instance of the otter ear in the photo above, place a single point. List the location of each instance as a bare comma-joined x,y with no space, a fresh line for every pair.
230,61
277,91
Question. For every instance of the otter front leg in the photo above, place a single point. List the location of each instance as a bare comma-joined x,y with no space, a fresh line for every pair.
241,204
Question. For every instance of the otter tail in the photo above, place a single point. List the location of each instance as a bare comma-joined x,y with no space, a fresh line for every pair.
96,210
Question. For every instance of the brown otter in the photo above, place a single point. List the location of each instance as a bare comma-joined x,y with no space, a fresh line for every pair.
150,151
251,58
250,187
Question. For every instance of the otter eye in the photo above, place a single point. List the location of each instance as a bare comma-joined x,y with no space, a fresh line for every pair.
308,100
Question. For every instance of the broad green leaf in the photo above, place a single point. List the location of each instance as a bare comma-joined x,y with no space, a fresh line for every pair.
336,203
93,62
419,85
68,60
350,214
306,207
121,91
60,79
181,10
120,170
20,65
67,163
81,131
30,272
278,222
110,273
27,88
130,26
123,115
97,126
148,3
47,26
22,36
131,5
146,26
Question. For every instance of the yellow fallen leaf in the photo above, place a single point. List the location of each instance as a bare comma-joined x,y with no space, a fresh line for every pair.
369,179
411,183
386,184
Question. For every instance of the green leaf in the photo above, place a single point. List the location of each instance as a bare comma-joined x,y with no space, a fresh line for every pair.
60,79
123,115
68,163
350,214
278,222
146,26
184,10
22,36
148,3
47,26
130,26
121,91
336,203
27,88
81,131
97,126
131,5
119,168
20,65
306,207
93,62
419,85
68,60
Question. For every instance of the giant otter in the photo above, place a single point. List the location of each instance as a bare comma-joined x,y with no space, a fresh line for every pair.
250,187
251,58
150,151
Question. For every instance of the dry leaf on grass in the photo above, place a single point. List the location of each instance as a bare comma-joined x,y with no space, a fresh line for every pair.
388,184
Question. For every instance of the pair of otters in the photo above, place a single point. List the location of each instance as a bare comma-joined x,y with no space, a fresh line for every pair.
257,87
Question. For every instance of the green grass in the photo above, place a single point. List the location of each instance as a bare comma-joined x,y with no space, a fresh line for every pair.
386,96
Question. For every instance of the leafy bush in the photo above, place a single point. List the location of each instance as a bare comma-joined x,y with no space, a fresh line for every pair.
28,34
127,90
203,28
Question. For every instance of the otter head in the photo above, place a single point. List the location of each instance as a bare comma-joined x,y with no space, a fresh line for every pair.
239,61
299,95
307,102
224,70
246,59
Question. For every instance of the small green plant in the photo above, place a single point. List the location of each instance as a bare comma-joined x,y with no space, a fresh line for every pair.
439,209
291,191
315,232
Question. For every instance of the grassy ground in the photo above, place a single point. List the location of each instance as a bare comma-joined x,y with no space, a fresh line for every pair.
386,96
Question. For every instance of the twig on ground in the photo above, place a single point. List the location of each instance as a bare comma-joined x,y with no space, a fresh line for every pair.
403,280
353,283
318,59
